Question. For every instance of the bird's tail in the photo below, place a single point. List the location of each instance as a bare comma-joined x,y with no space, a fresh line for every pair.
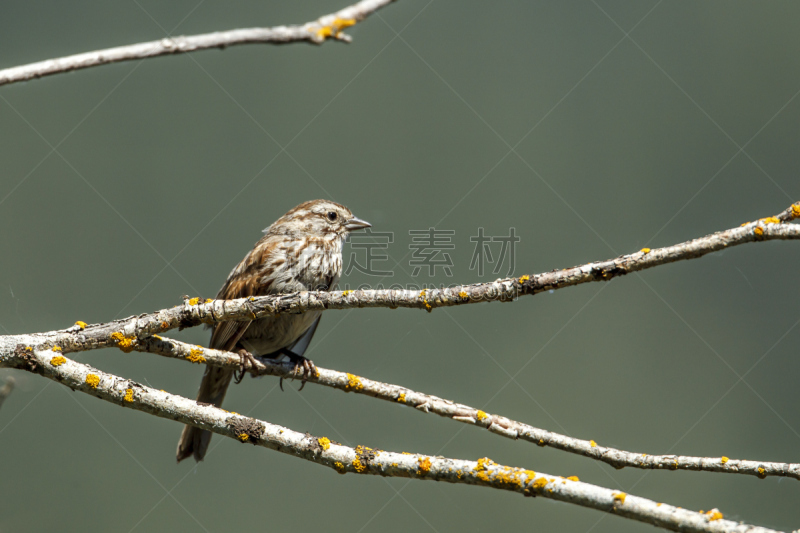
194,441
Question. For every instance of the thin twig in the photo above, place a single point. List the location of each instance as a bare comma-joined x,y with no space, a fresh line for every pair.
325,27
363,460
469,415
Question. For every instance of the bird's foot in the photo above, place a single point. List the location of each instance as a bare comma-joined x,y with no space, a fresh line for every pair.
248,362
302,366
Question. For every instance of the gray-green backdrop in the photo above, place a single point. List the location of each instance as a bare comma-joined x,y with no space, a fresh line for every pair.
592,128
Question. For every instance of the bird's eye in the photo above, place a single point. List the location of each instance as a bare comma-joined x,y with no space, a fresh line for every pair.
332,215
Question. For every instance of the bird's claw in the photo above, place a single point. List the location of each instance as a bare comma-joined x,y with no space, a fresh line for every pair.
302,366
248,362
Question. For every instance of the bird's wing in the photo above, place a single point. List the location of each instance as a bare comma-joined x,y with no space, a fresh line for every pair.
301,345
242,282
227,334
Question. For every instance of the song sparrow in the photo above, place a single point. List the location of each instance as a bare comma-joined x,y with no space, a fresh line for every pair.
301,251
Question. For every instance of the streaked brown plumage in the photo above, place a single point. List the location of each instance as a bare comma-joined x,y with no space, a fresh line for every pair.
301,251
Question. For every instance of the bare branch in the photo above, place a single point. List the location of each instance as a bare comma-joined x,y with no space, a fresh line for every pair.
327,26
194,312
362,460
469,415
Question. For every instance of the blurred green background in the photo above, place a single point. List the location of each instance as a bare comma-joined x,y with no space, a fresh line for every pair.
632,124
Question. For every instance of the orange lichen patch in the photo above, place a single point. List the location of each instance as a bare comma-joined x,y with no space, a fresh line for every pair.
540,483
424,465
58,360
335,28
344,23
503,476
339,467
524,278
93,380
56,348
762,473
353,383
345,293
796,210
128,395
123,343
483,464
481,415
743,225
620,497
541,442
573,478
358,465
164,325
196,356
463,294
81,324
324,32
422,294
758,230
771,220
402,397
724,459
593,444
713,515
645,250
482,468
194,301
325,442
243,437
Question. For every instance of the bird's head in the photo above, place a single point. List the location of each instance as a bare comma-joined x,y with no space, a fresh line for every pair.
321,218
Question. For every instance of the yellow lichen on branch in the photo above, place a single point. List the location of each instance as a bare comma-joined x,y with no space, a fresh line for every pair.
325,442
334,29
353,383
196,356
58,360
424,465
93,380
123,343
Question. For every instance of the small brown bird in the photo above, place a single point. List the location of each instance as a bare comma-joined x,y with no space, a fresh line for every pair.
301,251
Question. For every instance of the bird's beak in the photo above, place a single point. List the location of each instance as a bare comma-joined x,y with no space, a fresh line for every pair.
356,223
